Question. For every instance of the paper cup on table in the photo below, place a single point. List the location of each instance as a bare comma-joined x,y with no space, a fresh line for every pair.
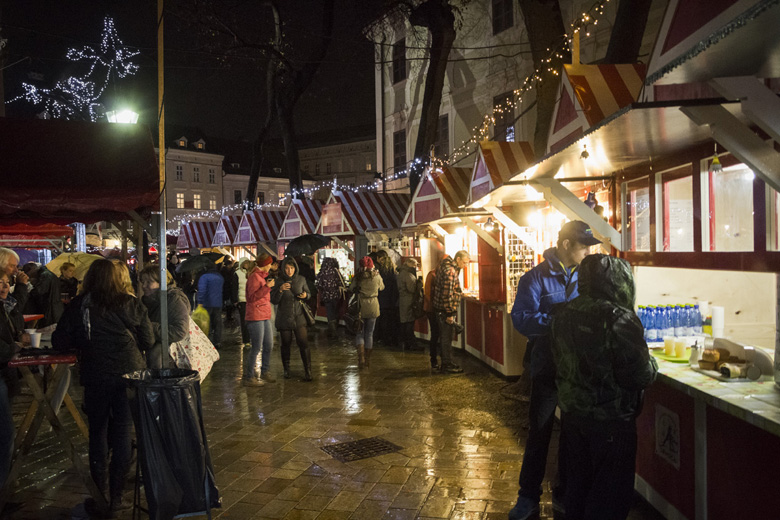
30,331
35,339
718,321
668,345
680,344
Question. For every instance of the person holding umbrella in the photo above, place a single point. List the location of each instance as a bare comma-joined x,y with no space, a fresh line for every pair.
290,295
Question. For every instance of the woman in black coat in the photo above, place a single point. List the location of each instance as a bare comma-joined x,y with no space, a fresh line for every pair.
110,329
290,295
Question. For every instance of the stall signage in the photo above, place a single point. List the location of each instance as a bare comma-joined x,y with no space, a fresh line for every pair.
667,435
331,218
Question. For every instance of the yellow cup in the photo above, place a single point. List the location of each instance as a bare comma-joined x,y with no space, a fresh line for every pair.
680,344
668,345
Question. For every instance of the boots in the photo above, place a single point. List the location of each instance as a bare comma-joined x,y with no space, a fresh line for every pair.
361,351
306,358
286,360
332,331
367,363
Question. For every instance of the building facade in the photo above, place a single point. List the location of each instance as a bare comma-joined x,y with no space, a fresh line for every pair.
348,156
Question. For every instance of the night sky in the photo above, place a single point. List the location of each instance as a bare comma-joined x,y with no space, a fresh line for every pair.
222,99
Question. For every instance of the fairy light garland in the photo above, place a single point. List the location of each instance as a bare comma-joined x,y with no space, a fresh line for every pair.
77,97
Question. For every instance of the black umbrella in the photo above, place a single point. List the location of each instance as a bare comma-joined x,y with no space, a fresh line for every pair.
306,245
195,263
217,258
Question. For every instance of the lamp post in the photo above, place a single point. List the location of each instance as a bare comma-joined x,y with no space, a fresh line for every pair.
122,116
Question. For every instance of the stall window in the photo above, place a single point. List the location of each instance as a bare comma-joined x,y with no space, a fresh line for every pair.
727,201
674,207
637,214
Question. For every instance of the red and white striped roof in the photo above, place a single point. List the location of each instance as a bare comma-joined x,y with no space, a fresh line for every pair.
441,192
226,230
366,210
182,242
496,163
259,225
200,233
302,218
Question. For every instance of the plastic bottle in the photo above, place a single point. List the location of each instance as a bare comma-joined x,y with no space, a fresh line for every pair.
668,327
651,329
697,320
678,320
689,320
640,313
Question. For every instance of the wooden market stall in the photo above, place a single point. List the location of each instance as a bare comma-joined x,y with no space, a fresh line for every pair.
225,233
258,230
199,233
301,219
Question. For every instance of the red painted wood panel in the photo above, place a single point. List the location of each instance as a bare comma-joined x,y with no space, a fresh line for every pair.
494,333
474,325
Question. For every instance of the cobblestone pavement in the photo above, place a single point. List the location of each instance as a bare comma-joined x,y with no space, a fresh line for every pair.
461,439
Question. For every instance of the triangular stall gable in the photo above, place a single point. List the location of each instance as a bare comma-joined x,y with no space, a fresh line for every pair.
349,213
589,94
200,233
441,192
302,218
259,225
182,242
226,230
496,163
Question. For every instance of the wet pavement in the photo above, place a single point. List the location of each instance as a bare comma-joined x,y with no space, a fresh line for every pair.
461,440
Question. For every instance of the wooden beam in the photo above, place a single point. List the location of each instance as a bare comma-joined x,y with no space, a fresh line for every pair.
484,235
343,245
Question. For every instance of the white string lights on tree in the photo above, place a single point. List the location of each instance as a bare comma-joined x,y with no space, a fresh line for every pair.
78,97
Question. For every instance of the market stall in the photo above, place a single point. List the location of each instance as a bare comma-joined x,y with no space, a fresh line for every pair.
258,231
225,233
301,219
200,233
38,240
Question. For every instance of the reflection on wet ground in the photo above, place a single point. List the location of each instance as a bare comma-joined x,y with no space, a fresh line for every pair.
462,442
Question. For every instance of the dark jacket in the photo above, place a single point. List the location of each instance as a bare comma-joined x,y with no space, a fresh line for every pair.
329,282
210,289
289,314
602,360
47,296
178,314
538,292
407,286
11,328
114,343
388,297
69,286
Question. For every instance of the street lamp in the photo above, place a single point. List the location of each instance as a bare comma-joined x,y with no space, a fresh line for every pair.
122,116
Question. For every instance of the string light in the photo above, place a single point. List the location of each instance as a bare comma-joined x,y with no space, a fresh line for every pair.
77,97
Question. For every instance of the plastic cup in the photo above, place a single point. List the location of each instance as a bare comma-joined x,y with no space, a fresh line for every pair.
680,344
35,340
31,331
668,345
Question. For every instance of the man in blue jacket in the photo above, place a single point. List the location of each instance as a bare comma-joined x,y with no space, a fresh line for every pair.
550,283
210,296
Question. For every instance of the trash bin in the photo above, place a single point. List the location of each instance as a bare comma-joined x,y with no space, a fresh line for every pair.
172,448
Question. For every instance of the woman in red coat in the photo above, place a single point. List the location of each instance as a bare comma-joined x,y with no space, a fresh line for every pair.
258,320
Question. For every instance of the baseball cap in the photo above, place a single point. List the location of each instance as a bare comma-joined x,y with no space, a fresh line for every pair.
578,231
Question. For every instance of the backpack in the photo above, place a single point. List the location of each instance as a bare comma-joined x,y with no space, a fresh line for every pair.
353,319
418,300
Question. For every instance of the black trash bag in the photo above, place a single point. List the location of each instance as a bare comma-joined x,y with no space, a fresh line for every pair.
172,448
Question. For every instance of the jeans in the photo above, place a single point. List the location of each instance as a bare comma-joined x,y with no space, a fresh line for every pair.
215,325
446,334
244,330
261,334
110,427
433,344
541,416
601,461
332,310
6,433
366,336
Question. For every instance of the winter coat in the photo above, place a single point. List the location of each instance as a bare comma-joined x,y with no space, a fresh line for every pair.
329,282
430,282
11,328
47,298
289,314
388,297
367,285
70,286
446,287
407,285
602,360
210,289
241,279
258,296
230,287
539,291
178,314
114,344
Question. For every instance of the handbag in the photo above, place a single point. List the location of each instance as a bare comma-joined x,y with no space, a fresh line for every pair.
353,319
307,314
195,352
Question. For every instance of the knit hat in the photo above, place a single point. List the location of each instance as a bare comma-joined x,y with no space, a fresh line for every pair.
264,260
366,262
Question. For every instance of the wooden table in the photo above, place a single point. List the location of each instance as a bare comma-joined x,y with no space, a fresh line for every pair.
41,408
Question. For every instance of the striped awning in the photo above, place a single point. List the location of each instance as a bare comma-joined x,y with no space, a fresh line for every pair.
302,218
361,211
442,191
496,163
200,233
259,225
226,230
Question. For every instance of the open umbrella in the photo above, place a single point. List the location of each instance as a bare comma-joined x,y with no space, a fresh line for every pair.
195,263
306,245
82,261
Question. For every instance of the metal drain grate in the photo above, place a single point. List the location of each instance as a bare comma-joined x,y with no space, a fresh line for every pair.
360,449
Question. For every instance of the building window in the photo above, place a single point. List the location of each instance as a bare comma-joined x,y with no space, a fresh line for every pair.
212,202
237,198
368,166
200,146
196,174
182,143
504,117
212,176
180,201
179,172
328,168
261,198
442,144
399,151
305,168
502,15
196,201
399,61
317,169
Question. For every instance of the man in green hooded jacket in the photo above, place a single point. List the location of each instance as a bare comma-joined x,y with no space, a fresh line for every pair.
602,368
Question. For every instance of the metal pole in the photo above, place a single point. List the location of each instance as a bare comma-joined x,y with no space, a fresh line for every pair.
163,202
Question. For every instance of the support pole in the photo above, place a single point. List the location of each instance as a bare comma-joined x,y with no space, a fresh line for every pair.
163,202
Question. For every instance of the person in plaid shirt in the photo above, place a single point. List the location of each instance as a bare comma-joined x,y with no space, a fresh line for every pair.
446,298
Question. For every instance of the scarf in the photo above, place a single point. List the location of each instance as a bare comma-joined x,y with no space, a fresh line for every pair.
9,303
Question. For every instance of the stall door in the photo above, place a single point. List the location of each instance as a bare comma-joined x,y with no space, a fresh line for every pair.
474,324
494,333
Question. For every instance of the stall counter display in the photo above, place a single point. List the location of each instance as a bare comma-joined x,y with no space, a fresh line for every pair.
519,260
346,265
